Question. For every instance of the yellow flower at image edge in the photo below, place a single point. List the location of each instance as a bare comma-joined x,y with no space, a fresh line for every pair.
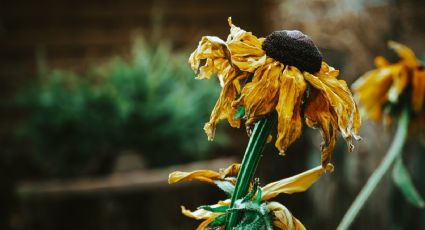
283,72
282,218
387,84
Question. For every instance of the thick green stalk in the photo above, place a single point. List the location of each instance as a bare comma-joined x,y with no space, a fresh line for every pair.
249,164
392,154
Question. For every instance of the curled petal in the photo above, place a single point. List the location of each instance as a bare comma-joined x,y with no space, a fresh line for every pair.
298,183
223,108
319,115
219,66
291,92
260,96
201,214
201,175
230,171
340,99
209,49
418,90
245,49
283,218
204,175
407,55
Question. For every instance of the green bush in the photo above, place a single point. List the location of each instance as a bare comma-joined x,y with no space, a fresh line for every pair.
149,104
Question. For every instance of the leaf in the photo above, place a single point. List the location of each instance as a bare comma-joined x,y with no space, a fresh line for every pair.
219,209
404,182
259,195
226,186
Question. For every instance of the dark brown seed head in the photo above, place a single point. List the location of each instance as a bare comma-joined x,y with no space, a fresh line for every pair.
291,47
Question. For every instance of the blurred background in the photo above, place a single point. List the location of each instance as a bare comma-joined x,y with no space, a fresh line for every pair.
98,105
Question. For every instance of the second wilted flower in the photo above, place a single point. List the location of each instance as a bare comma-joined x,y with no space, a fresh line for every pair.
384,90
283,72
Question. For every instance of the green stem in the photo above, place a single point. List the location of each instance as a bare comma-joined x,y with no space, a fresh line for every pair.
392,154
250,161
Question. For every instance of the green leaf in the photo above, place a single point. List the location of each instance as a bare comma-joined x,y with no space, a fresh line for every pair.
226,186
240,113
214,209
404,182
259,195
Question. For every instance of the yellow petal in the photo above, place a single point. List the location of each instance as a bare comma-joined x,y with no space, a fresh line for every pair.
230,171
400,81
291,93
223,108
245,49
381,62
407,55
418,90
209,48
204,175
199,214
201,175
297,183
219,66
340,99
202,214
261,95
372,89
283,218
319,115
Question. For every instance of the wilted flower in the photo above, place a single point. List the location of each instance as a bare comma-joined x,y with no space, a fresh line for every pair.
256,201
283,72
391,85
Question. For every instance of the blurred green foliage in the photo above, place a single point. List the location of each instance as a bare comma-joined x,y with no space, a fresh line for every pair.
149,104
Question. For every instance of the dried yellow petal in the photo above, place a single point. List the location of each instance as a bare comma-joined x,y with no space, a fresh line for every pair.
223,108
283,218
319,115
209,49
260,96
245,49
201,214
340,100
292,87
297,183
204,175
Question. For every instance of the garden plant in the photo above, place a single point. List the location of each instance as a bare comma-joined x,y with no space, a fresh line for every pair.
268,83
